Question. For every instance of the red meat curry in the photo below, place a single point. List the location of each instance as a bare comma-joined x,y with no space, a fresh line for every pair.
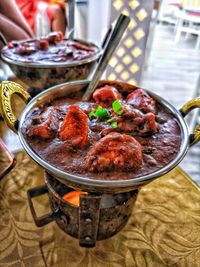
116,135
52,48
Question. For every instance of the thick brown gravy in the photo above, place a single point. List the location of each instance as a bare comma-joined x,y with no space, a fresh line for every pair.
158,148
49,49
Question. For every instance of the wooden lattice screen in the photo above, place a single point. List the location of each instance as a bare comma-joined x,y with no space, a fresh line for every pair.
126,63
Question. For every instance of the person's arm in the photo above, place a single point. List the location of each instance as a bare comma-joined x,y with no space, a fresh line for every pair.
9,9
10,30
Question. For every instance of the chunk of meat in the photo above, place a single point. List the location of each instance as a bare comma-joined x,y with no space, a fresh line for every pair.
141,100
142,125
83,47
42,44
106,95
150,125
10,45
115,151
134,121
75,127
54,37
25,50
45,125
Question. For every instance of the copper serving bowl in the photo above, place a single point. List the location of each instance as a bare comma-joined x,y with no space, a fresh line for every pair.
86,183
40,76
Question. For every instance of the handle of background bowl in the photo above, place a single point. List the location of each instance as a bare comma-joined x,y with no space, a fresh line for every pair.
190,105
11,158
7,90
35,192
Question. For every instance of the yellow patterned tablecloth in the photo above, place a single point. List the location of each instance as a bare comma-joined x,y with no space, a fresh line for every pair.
164,229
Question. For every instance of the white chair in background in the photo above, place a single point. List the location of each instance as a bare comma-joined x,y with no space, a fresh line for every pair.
188,20
167,10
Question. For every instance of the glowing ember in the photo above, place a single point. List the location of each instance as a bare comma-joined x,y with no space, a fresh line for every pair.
74,197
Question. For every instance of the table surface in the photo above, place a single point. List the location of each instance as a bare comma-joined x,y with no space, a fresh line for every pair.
163,229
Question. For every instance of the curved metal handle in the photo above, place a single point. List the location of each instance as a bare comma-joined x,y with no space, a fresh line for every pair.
190,105
35,192
7,89
11,158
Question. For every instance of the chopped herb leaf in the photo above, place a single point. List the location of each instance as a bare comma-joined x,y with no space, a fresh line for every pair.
92,114
114,124
111,119
102,112
117,107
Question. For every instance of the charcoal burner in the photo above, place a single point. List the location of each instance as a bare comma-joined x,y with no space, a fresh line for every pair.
99,216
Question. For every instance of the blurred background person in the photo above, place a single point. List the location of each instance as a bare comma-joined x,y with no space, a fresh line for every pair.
13,26
44,16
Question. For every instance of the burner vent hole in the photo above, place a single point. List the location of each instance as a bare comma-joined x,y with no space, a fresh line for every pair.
64,219
88,220
88,238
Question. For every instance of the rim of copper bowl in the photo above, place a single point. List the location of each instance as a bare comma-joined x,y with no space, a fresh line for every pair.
86,181
39,65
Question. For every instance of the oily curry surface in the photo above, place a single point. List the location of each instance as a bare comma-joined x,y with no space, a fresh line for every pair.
115,136
51,48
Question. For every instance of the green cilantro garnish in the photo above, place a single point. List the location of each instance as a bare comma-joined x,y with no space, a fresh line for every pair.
117,107
114,124
111,119
92,114
102,112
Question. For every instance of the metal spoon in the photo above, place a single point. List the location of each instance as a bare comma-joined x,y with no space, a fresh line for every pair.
110,47
70,18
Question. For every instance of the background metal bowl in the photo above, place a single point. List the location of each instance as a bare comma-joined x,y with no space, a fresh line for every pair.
44,75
